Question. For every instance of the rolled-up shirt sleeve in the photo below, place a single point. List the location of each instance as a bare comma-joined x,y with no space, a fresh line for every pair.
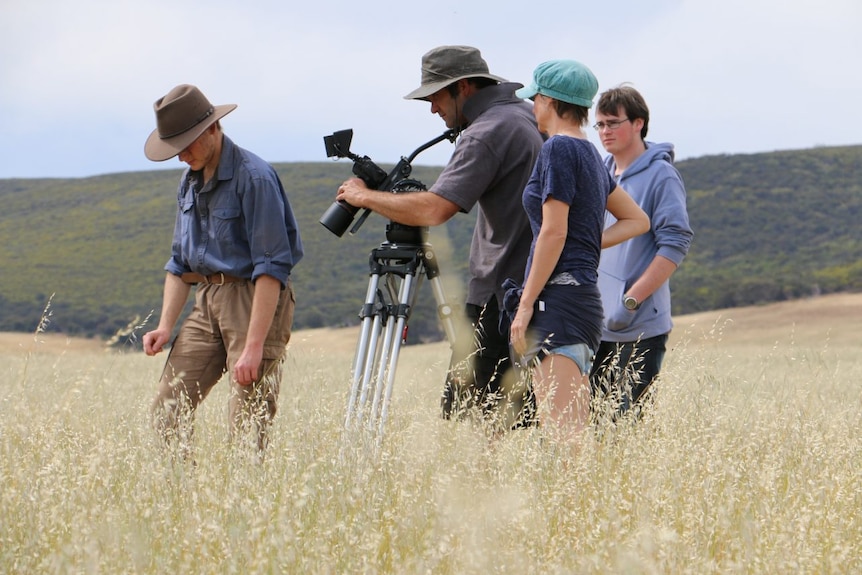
273,235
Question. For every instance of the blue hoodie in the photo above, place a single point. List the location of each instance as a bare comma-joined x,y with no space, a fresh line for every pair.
658,189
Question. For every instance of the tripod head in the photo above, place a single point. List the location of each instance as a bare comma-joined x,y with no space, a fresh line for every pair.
340,214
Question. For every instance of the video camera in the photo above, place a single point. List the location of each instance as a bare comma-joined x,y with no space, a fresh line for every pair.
340,214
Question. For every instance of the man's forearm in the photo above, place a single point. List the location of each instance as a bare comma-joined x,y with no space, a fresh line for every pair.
267,291
657,272
409,208
176,292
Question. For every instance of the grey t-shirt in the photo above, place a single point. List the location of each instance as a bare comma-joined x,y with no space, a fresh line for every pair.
490,166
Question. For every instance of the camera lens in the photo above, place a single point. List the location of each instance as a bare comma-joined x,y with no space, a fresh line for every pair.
338,217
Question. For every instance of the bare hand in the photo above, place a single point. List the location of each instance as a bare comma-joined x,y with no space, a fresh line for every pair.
518,330
245,372
154,341
351,191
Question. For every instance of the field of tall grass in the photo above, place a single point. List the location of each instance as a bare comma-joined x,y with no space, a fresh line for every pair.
749,461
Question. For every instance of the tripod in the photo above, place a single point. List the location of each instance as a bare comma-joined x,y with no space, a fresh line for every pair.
396,273
397,268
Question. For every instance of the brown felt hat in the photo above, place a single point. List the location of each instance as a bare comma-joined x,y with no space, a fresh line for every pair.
181,116
446,65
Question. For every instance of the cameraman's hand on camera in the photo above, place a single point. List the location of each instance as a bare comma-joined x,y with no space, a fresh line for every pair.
353,191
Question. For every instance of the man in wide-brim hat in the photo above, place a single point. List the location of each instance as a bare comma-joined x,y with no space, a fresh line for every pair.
237,240
181,117
492,161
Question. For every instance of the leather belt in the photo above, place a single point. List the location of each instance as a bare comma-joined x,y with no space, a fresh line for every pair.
214,279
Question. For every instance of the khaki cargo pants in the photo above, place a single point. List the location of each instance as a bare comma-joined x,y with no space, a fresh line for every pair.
207,346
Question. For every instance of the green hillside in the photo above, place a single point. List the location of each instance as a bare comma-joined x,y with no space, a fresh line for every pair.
99,245
767,227
771,227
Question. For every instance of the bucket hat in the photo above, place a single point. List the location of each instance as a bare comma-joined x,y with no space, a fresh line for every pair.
564,80
446,65
182,115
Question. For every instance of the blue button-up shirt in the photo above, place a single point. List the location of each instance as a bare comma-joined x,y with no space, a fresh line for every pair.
240,223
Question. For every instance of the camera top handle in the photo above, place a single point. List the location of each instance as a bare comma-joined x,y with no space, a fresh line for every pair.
374,177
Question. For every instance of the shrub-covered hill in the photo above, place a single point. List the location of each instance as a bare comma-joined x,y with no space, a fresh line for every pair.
767,227
98,245
771,227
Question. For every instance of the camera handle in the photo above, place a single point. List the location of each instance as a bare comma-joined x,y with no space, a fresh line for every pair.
401,170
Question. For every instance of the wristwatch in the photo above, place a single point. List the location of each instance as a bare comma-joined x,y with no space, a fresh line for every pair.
630,303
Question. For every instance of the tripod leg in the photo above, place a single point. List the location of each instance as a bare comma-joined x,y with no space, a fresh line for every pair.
397,330
364,351
371,363
445,313
382,366
444,310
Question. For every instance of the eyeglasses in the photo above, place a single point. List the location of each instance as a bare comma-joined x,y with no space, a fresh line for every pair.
610,125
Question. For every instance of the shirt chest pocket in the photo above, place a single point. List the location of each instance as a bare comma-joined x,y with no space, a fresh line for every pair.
186,204
226,221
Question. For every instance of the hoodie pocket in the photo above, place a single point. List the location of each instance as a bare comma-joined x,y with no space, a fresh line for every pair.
617,317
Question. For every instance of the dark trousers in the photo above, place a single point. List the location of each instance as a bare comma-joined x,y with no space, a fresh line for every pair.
481,374
624,371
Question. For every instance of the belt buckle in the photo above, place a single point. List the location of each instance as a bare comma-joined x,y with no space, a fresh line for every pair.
222,279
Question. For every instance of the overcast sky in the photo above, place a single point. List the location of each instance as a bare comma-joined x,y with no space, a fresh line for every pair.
78,78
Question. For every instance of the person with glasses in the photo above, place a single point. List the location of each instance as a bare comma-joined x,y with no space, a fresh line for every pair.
556,313
634,276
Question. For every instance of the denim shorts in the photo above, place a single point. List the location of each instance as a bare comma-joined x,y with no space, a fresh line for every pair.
580,353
